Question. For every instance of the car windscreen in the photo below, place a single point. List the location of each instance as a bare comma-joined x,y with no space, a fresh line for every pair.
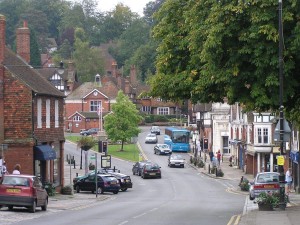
108,178
176,157
267,178
16,181
149,167
164,146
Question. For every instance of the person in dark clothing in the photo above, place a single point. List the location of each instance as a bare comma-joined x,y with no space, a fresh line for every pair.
211,155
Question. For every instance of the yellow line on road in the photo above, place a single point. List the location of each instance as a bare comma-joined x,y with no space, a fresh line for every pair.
234,220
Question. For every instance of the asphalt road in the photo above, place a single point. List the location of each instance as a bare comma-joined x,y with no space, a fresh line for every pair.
182,196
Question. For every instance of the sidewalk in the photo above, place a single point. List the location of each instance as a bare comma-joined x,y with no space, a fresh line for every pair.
251,215
77,200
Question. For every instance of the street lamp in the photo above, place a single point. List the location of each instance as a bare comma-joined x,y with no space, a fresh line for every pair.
282,203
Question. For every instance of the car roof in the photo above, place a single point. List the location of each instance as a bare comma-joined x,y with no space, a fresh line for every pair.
20,175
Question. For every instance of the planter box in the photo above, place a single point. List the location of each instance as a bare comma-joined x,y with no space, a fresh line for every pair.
265,207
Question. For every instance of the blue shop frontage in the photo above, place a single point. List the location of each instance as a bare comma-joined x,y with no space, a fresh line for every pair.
294,157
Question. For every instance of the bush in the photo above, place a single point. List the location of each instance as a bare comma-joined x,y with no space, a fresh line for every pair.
50,188
213,169
92,166
201,164
244,185
67,190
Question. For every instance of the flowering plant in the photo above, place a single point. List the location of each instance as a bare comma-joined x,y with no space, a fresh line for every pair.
268,198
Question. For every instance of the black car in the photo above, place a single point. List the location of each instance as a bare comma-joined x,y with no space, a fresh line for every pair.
105,183
151,170
138,166
124,180
89,131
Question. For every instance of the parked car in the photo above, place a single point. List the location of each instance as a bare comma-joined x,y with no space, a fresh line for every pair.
124,180
264,182
176,161
162,149
23,191
105,183
151,138
138,166
89,131
155,130
151,170
92,173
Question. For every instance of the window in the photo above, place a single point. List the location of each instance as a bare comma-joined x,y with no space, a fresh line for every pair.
77,118
146,109
39,113
263,135
95,106
163,111
48,113
56,114
57,82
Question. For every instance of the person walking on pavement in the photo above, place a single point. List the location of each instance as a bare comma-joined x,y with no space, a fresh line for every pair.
17,169
211,155
219,157
289,181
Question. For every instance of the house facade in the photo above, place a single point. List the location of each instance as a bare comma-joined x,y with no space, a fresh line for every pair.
31,113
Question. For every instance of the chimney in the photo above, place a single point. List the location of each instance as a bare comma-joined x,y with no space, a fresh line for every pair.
114,66
2,49
23,42
133,79
2,37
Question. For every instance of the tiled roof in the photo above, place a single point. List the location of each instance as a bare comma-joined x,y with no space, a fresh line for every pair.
28,75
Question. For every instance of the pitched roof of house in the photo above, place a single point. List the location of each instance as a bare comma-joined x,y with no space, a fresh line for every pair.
109,89
88,115
24,72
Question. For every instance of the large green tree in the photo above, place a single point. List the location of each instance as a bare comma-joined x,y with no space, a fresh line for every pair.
211,49
122,123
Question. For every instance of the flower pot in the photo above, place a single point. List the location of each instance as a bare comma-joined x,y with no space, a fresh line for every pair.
265,207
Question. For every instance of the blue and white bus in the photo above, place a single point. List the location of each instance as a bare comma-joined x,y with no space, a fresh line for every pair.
178,139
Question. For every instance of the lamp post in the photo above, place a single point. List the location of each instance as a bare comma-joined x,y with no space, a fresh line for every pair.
282,203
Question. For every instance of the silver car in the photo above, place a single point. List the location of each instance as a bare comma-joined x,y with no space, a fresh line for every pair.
264,182
162,149
151,138
176,161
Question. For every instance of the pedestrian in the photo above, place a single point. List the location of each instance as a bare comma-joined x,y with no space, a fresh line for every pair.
288,180
230,160
211,155
219,157
4,169
17,169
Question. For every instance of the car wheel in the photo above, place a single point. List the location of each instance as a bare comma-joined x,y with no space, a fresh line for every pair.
100,190
251,198
123,189
139,173
33,207
77,189
133,172
115,192
142,176
154,152
45,206
10,207
182,166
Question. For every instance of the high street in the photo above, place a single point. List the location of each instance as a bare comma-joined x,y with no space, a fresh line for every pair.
181,196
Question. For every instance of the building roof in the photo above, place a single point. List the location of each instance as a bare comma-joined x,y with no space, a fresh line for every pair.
25,73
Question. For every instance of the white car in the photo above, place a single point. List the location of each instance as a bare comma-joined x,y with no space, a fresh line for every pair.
151,138
176,161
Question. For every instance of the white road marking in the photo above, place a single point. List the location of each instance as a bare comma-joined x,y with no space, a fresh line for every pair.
143,214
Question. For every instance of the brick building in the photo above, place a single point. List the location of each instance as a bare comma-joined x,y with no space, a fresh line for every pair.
31,113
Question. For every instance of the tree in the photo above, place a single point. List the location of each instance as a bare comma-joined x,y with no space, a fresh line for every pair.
92,63
35,54
122,123
85,144
210,50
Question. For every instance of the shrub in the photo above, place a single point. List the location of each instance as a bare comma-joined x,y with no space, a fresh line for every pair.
219,173
67,190
201,164
50,188
244,184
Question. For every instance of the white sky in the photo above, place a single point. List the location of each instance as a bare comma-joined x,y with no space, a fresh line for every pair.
134,5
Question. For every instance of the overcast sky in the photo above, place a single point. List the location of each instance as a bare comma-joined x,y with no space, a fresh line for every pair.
134,5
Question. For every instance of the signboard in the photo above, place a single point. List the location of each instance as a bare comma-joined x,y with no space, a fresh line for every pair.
280,160
105,161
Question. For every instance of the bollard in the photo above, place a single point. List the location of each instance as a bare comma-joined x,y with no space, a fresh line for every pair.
74,164
76,174
208,168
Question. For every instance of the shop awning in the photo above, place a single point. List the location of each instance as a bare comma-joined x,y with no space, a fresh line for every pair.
44,152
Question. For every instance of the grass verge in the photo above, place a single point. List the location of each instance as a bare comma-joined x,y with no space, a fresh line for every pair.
130,151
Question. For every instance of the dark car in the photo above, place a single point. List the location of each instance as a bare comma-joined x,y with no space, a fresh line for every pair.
155,130
124,180
151,170
264,182
162,149
138,166
89,131
105,183
23,191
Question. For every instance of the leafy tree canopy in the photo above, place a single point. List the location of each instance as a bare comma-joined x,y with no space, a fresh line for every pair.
210,50
122,122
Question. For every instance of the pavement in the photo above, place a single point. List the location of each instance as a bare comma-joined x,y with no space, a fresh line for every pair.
251,215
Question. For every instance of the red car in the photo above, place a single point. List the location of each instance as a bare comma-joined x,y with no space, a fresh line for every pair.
23,191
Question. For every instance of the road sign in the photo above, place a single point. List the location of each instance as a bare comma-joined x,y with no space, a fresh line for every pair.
105,161
280,160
